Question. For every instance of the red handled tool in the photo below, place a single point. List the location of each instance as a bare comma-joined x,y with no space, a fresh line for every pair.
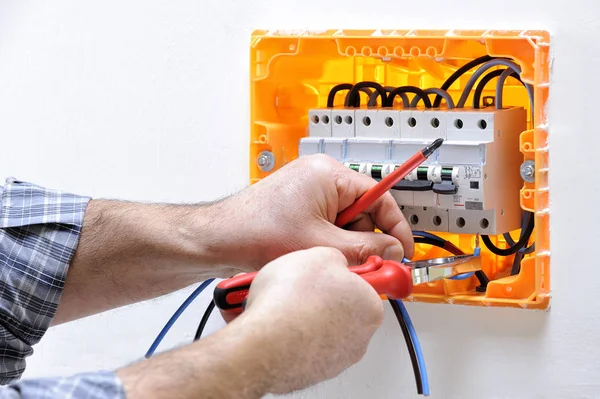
389,278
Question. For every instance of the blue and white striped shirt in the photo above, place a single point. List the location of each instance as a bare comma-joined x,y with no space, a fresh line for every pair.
39,232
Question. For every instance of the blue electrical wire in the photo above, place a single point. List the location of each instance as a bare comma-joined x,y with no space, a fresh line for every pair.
463,276
175,316
417,345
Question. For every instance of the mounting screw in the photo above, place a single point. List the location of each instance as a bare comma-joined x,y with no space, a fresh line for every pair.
266,161
528,171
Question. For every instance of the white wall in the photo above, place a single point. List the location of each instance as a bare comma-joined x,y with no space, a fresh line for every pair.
131,100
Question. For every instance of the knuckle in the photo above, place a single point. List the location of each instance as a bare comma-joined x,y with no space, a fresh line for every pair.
363,250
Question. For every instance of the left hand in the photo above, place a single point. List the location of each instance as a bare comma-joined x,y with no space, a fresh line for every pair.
295,208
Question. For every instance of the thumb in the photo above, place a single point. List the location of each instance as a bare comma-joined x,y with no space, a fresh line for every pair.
357,246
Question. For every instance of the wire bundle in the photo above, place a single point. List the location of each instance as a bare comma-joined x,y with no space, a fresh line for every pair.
387,94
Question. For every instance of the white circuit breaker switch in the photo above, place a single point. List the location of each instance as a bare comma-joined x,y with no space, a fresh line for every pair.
412,124
319,122
403,150
403,198
310,146
377,123
434,124
335,148
424,198
426,218
367,150
365,123
463,125
457,153
388,123
343,123
465,221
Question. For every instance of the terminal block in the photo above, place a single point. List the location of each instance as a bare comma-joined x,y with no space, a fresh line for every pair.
469,186
372,98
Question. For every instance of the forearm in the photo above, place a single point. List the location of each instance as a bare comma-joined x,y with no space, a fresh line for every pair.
130,252
232,363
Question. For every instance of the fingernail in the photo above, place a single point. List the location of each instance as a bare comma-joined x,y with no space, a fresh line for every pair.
395,252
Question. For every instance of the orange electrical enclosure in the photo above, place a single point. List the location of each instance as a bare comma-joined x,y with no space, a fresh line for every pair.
293,71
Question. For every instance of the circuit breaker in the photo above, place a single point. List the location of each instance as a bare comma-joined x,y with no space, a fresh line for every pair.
372,98
470,185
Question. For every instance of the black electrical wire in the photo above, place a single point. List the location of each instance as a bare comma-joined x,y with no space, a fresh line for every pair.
458,73
408,89
516,267
523,240
354,98
365,90
509,240
485,80
373,99
410,346
434,90
430,241
334,90
204,320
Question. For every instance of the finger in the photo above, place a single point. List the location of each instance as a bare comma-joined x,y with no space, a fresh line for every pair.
384,211
358,246
388,217
363,223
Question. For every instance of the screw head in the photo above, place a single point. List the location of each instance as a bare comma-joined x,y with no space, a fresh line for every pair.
263,160
266,161
528,171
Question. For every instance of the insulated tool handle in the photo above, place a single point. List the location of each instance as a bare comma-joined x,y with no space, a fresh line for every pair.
392,279
387,277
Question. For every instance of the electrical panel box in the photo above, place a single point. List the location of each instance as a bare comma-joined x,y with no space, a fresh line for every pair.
489,178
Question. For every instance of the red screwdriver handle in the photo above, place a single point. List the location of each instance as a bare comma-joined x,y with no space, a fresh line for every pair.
394,280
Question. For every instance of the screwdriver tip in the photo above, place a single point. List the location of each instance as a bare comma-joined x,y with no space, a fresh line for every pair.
427,151
437,143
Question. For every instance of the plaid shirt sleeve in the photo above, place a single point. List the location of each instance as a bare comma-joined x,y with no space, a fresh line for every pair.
39,232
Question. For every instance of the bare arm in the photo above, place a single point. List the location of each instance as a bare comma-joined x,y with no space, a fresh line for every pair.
130,252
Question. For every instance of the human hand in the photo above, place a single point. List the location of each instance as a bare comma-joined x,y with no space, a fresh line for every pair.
314,316
296,207
307,319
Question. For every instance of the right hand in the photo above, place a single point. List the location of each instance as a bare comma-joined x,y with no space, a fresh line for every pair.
317,317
